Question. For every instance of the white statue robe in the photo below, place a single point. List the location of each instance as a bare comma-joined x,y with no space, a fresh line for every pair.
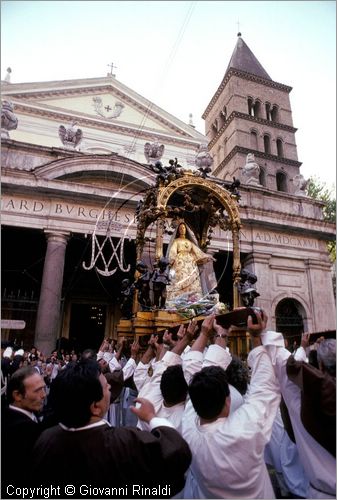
185,257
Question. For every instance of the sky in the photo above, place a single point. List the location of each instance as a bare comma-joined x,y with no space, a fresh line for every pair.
175,53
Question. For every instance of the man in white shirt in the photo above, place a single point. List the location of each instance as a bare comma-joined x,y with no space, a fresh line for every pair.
167,387
228,447
318,463
114,372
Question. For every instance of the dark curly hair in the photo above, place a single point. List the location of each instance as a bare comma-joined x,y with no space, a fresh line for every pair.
73,391
238,375
208,391
173,385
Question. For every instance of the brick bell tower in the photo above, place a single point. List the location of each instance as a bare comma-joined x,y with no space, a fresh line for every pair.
250,113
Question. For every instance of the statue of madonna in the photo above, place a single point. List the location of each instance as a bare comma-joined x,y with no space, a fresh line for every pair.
185,257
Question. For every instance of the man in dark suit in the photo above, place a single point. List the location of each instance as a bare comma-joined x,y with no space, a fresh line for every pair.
83,449
19,425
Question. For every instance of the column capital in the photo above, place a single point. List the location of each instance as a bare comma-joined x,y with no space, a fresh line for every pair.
57,236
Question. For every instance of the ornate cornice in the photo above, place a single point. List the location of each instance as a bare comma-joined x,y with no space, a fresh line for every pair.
245,76
244,116
259,154
99,124
291,222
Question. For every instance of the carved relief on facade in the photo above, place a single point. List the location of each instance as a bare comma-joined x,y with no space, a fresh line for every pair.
107,111
153,151
70,136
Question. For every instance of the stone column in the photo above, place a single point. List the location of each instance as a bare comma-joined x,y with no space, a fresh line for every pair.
49,309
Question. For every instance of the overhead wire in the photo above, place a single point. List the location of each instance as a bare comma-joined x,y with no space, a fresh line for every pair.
166,68
147,112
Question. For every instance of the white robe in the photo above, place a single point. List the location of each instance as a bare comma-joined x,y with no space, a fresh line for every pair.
141,375
319,465
151,391
228,454
114,415
282,454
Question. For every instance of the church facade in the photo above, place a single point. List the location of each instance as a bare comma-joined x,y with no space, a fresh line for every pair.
76,162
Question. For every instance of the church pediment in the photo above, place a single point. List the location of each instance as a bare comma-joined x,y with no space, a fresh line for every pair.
103,100
106,106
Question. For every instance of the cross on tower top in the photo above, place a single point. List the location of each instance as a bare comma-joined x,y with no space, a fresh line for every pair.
238,23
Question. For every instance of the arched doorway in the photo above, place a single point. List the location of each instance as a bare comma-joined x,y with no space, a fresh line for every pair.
290,320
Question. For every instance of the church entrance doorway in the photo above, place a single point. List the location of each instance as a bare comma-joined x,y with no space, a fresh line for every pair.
87,326
290,318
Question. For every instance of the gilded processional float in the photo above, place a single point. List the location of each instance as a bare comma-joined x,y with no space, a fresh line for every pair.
185,206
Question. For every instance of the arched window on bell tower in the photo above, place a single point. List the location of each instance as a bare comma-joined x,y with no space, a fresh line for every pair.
257,109
279,146
262,177
250,106
268,111
281,182
253,140
214,128
266,143
223,115
274,113
225,146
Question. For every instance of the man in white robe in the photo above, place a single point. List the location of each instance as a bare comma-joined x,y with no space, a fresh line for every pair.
318,464
228,448
167,388
281,452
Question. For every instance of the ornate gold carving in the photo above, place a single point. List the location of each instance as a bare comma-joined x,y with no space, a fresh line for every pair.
155,208
224,197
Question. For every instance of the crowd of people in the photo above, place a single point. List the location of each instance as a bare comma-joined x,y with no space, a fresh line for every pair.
185,418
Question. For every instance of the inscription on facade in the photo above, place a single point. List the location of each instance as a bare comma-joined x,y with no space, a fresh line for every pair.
281,239
73,211
53,208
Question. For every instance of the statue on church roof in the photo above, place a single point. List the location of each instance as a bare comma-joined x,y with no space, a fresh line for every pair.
8,75
300,184
153,151
251,171
204,160
8,119
70,136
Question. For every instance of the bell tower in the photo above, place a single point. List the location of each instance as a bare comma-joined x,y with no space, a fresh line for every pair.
251,113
